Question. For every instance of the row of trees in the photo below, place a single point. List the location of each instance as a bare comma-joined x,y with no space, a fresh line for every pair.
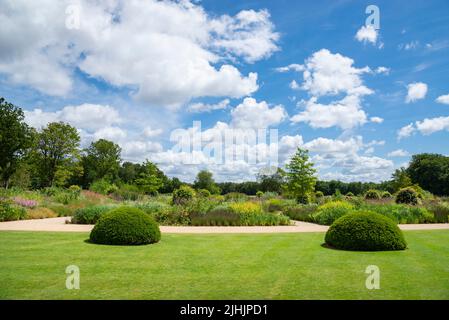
52,157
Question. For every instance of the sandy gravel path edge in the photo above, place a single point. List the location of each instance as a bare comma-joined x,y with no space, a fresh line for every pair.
60,225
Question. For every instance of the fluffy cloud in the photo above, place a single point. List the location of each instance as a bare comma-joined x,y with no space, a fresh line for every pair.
406,131
444,99
425,127
249,34
330,74
341,159
257,115
376,119
367,34
85,116
429,126
416,91
382,70
204,107
398,153
166,52
294,85
345,113
291,67
149,132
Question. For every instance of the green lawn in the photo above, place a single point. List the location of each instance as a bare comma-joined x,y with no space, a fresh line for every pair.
232,266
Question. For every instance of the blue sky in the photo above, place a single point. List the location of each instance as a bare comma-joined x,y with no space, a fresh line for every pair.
133,72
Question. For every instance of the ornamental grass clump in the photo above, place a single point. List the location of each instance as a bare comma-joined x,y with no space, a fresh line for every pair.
327,213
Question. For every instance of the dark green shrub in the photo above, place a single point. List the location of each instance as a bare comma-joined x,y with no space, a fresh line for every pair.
372,194
259,194
365,231
407,195
301,212
90,215
319,194
183,195
103,187
10,212
204,193
350,194
125,226
386,194
327,213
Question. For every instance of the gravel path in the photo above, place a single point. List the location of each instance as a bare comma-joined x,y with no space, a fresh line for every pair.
60,225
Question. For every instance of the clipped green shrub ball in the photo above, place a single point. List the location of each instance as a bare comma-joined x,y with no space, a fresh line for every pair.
125,226
407,195
365,231
372,194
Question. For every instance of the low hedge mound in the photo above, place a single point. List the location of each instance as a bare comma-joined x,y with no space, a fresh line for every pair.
125,226
365,231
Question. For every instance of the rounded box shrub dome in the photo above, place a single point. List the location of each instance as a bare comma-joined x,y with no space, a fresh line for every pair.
365,231
125,226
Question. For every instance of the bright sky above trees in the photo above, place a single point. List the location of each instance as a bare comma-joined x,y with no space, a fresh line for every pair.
361,100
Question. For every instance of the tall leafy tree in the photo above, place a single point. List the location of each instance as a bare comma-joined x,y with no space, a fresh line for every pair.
150,179
205,180
400,179
430,172
101,161
57,154
300,176
15,140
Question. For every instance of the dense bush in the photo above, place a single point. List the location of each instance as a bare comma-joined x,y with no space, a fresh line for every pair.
165,214
219,216
372,194
90,215
407,195
239,214
386,194
259,194
327,213
204,193
365,231
10,212
103,187
127,192
274,205
125,226
400,213
349,194
319,194
183,195
440,211
301,212
269,195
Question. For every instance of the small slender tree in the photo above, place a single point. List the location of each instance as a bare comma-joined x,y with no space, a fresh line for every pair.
300,176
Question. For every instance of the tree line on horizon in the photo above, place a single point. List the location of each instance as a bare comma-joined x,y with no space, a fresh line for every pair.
52,156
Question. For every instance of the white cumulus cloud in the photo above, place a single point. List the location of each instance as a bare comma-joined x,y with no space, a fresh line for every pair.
367,34
416,91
